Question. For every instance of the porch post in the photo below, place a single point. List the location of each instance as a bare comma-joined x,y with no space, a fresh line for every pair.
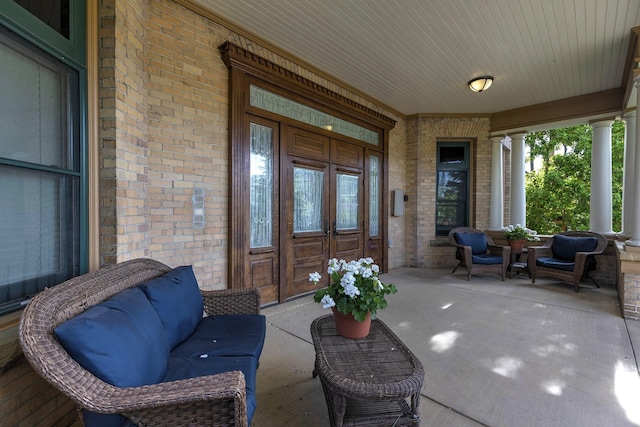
628,173
496,213
601,192
517,211
634,227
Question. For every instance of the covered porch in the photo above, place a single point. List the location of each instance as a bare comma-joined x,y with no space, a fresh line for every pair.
495,353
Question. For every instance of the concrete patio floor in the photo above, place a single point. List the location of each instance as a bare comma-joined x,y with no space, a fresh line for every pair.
495,353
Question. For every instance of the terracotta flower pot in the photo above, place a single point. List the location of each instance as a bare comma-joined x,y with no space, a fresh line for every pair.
517,245
348,327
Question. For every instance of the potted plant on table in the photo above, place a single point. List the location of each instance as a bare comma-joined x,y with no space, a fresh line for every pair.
354,291
517,236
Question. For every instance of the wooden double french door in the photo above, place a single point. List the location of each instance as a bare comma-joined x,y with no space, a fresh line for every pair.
312,197
324,192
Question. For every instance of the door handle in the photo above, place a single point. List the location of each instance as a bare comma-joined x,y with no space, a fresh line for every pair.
335,232
327,230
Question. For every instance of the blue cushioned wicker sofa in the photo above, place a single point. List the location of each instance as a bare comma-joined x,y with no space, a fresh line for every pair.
130,345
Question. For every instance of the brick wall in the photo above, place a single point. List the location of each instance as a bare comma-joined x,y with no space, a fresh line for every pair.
27,400
398,225
423,246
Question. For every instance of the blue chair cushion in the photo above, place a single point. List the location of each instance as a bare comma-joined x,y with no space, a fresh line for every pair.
558,264
121,356
566,247
486,259
94,419
225,335
204,364
178,302
477,241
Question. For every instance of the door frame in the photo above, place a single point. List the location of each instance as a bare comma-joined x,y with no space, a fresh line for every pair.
247,68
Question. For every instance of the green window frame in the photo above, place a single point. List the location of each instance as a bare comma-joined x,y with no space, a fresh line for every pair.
452,189
44,153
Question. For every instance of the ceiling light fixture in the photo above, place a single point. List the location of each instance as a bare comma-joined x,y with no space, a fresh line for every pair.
480,83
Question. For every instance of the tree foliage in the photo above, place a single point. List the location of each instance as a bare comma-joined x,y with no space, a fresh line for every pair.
558,192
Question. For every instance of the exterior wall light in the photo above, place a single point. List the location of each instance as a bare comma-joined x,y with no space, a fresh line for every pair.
480,83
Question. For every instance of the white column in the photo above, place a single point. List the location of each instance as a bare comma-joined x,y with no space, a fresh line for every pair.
628,172
601,192
517,211
496,213
635,186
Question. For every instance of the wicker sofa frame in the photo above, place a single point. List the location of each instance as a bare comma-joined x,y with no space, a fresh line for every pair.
582,261
463,254
214,400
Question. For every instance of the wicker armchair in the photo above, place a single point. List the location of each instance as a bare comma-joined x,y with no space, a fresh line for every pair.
214,400
570,264
485,257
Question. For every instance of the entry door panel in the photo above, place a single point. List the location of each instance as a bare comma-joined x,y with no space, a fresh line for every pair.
346,212
323,192
308,223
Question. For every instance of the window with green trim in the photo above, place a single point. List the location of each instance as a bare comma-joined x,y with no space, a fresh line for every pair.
42,169
452,194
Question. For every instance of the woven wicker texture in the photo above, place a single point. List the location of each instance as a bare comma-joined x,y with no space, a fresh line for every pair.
463,254
581,268
367,381
215,400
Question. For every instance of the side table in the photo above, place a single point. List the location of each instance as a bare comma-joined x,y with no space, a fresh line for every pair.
371,381
515,264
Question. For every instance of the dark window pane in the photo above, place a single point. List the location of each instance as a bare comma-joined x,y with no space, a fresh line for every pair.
452,155
38,105
451,201
54,13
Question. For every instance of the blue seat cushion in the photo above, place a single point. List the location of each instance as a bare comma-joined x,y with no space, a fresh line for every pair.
204,364
557,263
566,247
486,259
225,335
128,356
177,299
94,419
477,241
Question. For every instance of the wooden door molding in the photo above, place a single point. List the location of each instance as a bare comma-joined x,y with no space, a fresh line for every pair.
247,69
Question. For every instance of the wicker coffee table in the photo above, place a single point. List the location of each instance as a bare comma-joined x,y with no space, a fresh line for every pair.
371,381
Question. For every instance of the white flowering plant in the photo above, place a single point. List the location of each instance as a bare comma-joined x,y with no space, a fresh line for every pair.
354,288
518,232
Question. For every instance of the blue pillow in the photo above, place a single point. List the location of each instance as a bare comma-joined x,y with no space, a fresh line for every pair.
178,302
121,340
477,241
566,247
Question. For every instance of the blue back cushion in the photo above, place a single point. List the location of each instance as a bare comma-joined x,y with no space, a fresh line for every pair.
178,301
128,356
566,247
477,241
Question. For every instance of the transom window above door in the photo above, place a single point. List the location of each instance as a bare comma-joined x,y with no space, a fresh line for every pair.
274,103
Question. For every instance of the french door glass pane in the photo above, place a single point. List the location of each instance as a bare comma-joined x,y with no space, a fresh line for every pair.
346,202
261,194
308,200
374,195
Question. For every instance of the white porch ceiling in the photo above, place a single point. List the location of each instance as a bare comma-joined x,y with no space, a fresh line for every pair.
416,56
